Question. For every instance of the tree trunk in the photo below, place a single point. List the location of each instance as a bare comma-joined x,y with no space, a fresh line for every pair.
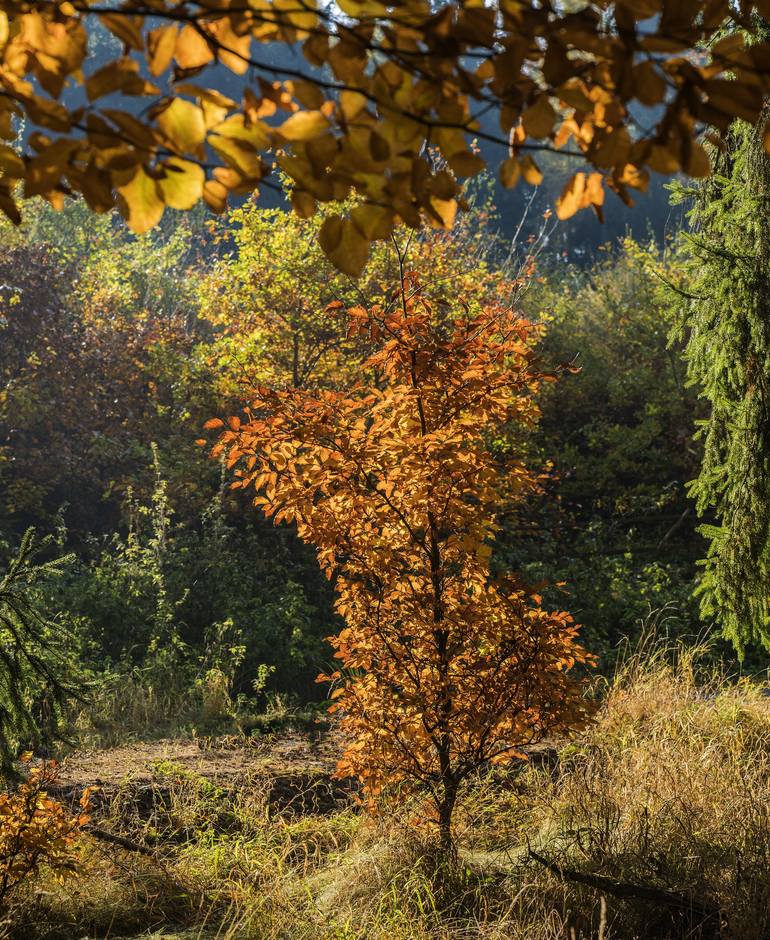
446,807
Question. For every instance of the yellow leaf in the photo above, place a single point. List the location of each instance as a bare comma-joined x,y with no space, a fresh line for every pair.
215,196
352,103
572,197
192,51
236,127
210,95
362,8
444,211
240,155
233,50
304,125
634,177
182,123
182,186
161,43
595,190
530,171
141,204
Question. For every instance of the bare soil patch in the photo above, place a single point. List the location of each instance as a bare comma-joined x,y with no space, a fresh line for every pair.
295,768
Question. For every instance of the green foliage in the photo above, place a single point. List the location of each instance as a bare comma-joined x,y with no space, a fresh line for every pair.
725,317
614,523
267,294
97,360
115,347
193,597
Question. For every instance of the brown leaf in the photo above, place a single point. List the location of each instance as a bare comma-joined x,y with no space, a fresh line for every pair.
539,119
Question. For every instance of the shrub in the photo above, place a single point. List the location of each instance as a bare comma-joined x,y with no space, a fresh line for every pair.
36,831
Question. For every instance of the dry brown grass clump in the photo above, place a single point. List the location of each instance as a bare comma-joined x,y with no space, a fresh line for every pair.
670,790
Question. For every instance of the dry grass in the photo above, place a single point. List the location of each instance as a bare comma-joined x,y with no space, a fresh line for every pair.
670,789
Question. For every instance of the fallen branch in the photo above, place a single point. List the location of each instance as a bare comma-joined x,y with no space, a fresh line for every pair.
626,890
105,836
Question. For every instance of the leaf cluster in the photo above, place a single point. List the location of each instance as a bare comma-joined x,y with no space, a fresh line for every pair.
624,87
36,830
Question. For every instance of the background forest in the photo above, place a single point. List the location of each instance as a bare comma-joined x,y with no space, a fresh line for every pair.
117,349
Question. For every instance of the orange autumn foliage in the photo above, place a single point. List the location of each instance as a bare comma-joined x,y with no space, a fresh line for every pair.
36,830
444,667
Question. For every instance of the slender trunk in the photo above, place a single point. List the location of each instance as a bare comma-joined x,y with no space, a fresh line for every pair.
443,742
448,796
446,810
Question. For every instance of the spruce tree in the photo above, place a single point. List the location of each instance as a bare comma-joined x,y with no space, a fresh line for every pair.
727,326
33,683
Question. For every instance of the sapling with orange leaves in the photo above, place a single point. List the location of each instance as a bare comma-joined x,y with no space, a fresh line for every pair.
444,668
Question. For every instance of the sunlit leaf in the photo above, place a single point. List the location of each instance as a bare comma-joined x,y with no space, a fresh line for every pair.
141,204
182,184
182,123
304,125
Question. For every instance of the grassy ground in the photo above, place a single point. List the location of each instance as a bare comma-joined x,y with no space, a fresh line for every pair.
666,796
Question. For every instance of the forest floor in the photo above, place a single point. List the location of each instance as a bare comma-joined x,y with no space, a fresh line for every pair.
655,824
215,758
293,770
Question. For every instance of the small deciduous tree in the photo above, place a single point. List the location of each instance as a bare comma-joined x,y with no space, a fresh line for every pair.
445,668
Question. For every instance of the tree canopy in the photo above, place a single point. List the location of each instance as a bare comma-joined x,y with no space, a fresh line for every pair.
379,100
